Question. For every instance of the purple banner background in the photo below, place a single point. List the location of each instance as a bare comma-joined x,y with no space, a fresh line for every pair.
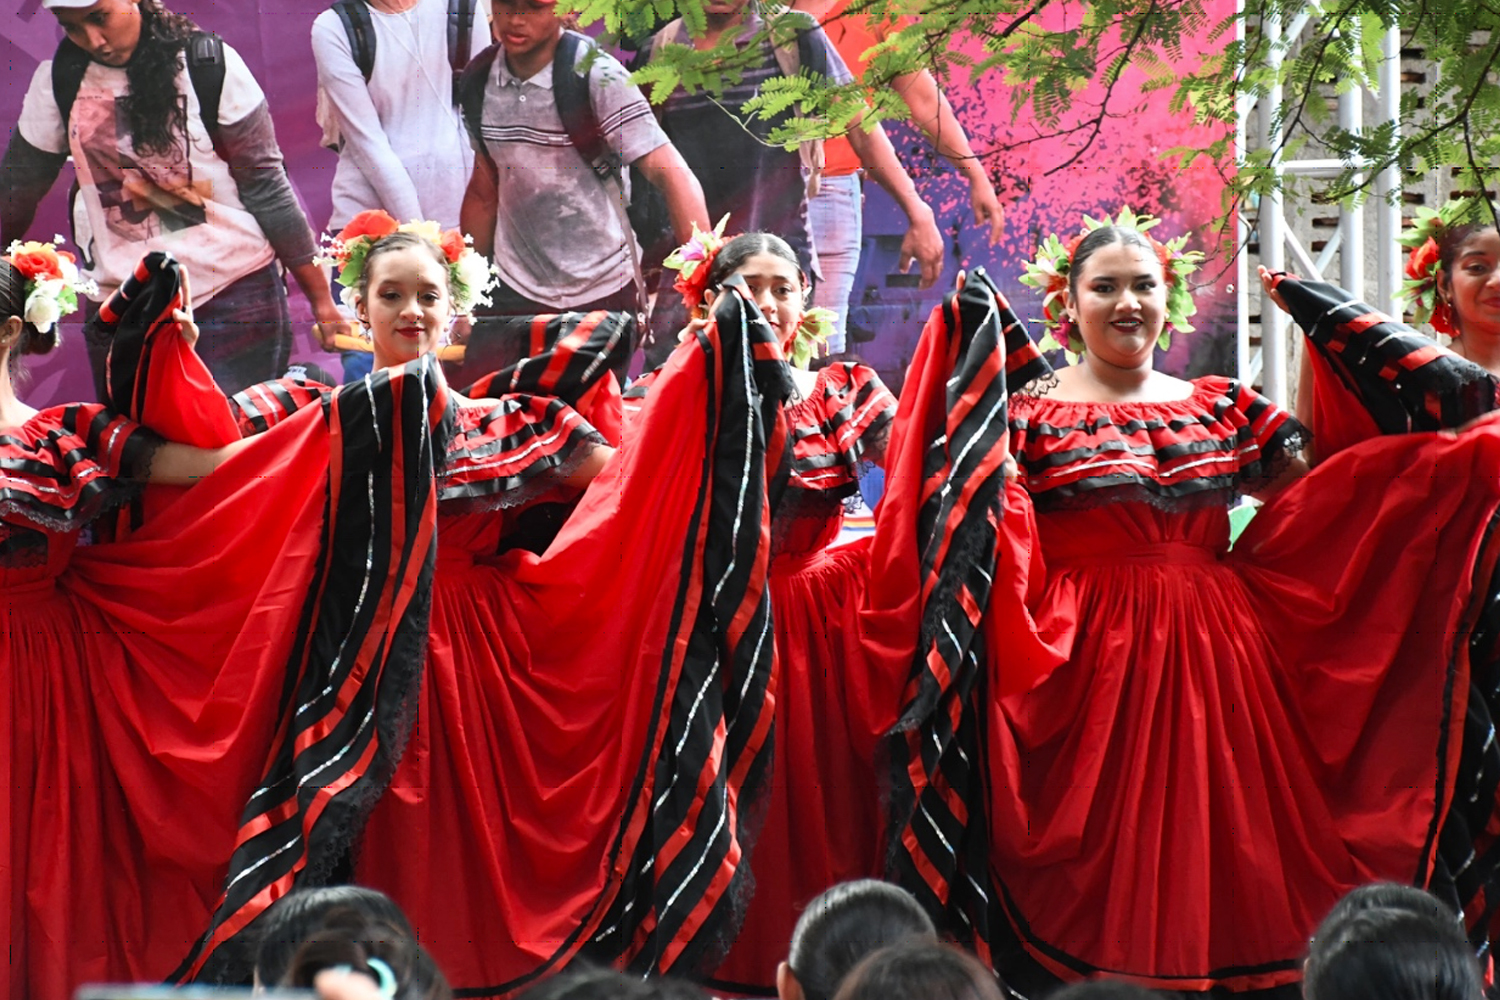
1122,167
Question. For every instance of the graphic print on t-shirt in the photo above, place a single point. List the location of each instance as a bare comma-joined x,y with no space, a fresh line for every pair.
142,195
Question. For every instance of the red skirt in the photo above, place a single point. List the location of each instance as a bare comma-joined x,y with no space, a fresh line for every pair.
1235,740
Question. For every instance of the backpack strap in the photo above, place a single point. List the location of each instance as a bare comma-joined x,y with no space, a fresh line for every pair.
472,83
805,56
575,106
360,30
460,38
69,64
813,58
206,70
792,59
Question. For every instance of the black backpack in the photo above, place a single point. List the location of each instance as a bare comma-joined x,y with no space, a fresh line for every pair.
355,14
205,65
570,89
647,210
575,106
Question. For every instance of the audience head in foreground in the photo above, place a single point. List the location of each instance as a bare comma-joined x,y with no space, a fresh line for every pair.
348,926
1392,943
920,969
842,926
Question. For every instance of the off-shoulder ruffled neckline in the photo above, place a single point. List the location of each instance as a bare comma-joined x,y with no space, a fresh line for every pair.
1203,386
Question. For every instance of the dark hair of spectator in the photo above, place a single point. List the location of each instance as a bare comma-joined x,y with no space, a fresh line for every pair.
916,969
590,983
1388,896
402,241
13,303
1104,989
154,109
845,924
1393,954
316,929
733,255
1098,239
672,988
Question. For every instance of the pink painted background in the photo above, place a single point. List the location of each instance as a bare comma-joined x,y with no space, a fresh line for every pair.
1121,168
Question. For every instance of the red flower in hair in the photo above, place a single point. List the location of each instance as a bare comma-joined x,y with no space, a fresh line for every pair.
373,223
37,260
453,245
1421,262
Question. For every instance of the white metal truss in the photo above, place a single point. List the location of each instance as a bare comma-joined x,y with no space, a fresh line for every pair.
1280,247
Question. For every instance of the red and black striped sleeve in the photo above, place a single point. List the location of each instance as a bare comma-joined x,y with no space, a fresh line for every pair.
70,463
571,357
506,451
845,420
1268,436
266,404
152,375
1404,380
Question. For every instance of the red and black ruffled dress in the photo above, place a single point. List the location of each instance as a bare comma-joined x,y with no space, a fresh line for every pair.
851,620
1373,376
591,720
823,816
1223,742
145,675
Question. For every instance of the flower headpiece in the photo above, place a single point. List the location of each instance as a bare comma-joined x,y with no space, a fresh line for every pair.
1054,262
693,260
1423,265
813,331
469,274
52,281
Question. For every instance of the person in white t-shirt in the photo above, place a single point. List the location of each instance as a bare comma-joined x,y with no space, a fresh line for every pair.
402,145
153,176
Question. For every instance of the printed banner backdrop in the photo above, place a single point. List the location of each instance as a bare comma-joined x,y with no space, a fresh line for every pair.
1044,182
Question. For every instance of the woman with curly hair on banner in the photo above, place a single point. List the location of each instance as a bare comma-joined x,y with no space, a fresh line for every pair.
850,619
1215,745
146,659
589,720
175,150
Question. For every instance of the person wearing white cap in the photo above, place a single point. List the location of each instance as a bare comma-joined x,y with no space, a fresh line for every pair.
174,150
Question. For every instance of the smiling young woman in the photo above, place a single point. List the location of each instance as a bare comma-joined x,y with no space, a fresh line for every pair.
1217,744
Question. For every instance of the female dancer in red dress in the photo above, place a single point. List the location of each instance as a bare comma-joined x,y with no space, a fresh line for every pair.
849,619
1217,745
144,676
591,720
1366,374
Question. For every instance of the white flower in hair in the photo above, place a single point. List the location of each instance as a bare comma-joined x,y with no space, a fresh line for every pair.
52,283
43,309
473,276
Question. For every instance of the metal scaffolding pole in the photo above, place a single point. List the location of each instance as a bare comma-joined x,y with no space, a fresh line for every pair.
1273,322
1267,361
